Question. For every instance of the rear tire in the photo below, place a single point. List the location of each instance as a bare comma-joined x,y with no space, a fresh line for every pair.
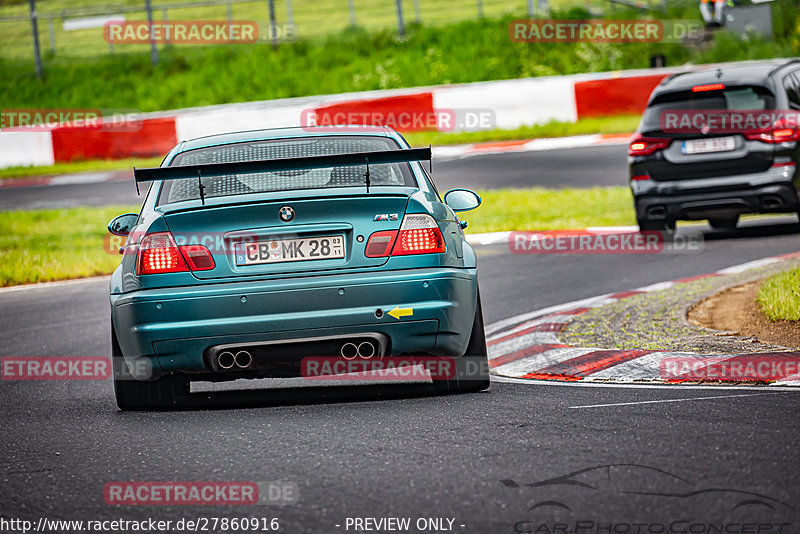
471,369
723,223
133,394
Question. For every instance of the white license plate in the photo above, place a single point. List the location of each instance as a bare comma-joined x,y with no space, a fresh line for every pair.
284,250
714,144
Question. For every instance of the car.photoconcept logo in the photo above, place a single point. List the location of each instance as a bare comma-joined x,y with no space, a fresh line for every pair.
286,213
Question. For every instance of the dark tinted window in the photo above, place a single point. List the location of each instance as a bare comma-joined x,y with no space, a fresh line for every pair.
395,174
792,86
730,98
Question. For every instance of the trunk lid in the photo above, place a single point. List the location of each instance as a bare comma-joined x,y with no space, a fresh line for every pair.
251,239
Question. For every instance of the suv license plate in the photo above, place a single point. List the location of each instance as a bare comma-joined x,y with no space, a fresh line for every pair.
713,144
284,250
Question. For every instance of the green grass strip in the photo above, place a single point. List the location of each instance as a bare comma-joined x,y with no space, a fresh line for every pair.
779,296
41,246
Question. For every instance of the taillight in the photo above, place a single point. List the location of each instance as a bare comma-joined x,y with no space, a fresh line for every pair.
380,244
158,254
644,146
419,234
198,257
640,177
780,132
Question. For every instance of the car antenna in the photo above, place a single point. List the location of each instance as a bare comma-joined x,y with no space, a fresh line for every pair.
136,182
201,187
366,174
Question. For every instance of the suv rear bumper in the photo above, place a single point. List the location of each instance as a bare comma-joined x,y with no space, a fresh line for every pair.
170,330
773,191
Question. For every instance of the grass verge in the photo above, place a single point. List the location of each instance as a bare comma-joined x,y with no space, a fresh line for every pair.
779,296
551,209
608,125
357,60
605,125
80,166
41,246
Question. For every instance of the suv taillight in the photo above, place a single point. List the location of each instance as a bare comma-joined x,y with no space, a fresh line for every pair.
780,132
158,254
644,146
419,234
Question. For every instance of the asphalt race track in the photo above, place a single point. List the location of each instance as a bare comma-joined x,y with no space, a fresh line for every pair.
575,167
603,459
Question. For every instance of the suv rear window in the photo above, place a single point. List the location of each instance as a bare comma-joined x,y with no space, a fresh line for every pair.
731,98
393,174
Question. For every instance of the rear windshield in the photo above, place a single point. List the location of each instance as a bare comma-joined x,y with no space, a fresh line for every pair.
731,98
391,174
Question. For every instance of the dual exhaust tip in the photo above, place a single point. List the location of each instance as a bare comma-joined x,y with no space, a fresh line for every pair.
243,359
227,359
365,349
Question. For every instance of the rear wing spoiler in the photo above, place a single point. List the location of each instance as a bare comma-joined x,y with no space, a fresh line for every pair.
284,164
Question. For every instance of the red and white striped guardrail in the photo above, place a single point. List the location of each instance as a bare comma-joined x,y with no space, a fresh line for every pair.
514,103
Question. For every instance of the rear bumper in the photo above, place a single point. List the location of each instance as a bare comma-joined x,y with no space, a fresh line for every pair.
169,330
773,191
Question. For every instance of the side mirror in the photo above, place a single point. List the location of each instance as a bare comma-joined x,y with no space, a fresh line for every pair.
462,199
122,225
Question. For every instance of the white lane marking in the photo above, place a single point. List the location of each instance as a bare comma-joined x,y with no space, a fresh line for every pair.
89,178
640,385
657,287
59,283
675,400
534,145
791,380
487,238
736,269
612,228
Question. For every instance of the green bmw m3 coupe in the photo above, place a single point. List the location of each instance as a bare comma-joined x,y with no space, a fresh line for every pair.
263,254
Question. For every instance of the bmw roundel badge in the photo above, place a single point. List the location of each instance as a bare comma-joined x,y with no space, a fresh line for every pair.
286,213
